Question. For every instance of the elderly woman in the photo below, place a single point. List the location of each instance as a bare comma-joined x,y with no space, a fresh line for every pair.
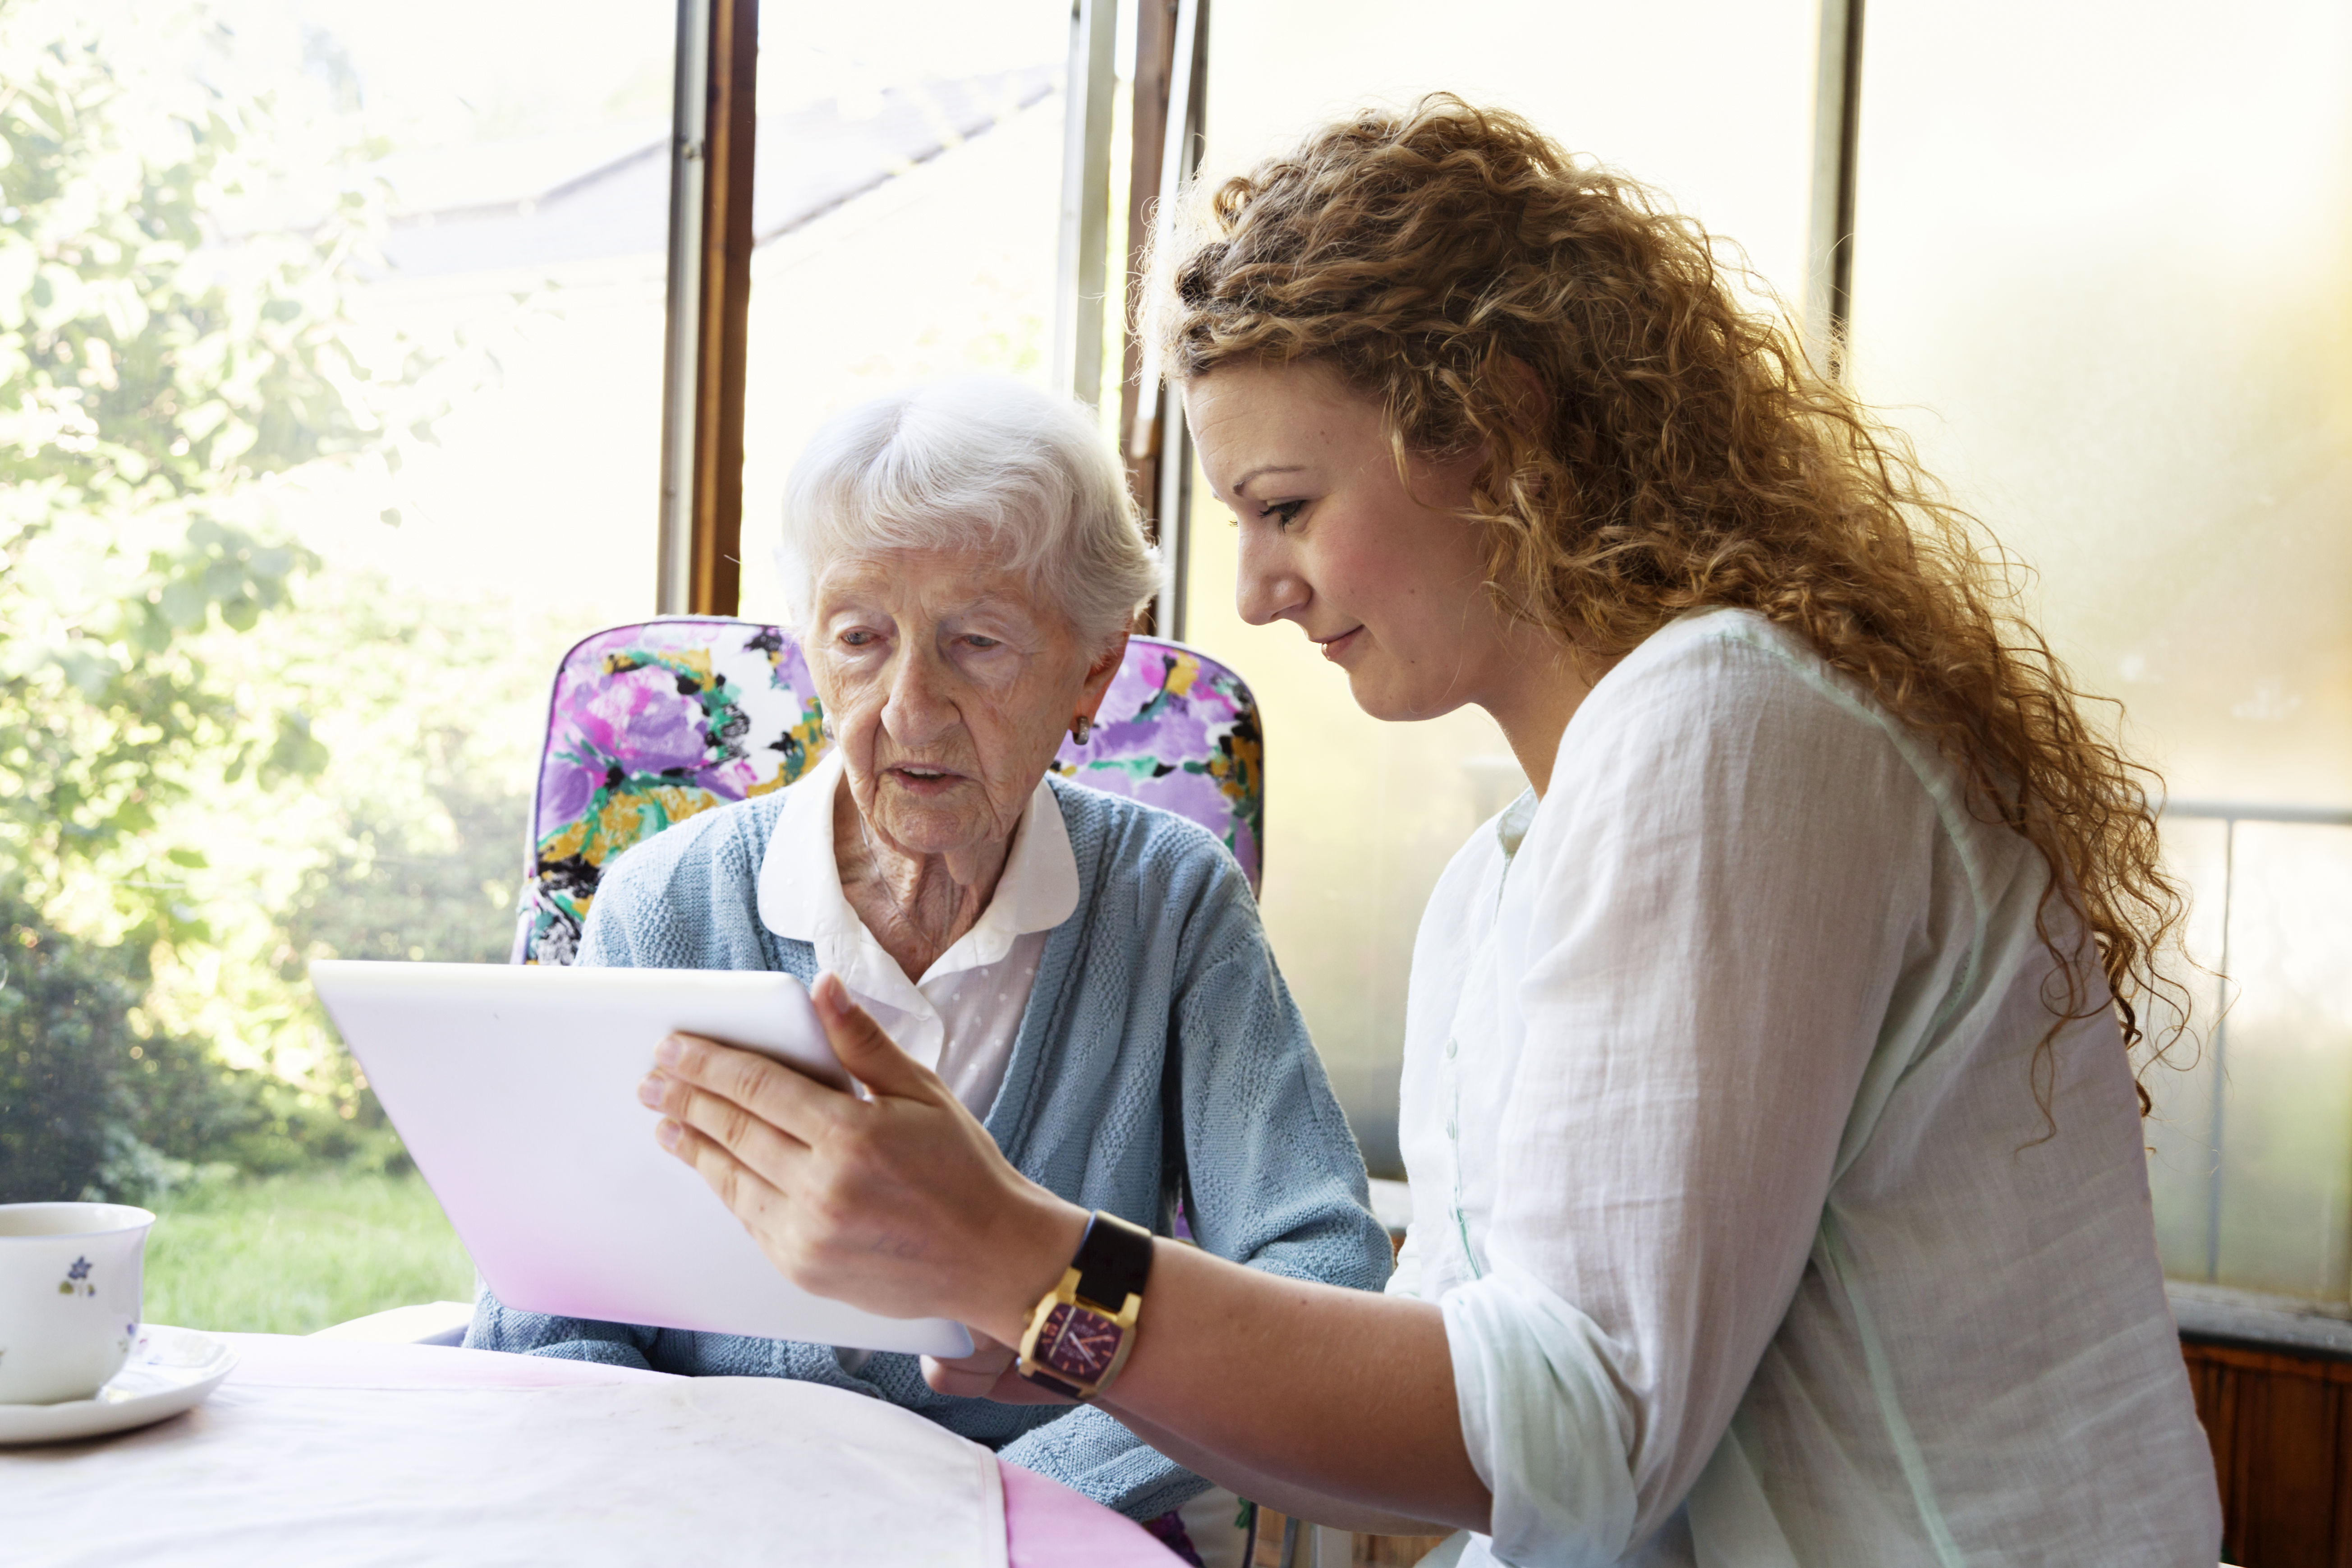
1080,970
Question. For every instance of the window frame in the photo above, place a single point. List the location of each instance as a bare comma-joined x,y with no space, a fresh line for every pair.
699,568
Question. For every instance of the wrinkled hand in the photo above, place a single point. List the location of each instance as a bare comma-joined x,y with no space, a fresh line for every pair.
988,1372
901,1203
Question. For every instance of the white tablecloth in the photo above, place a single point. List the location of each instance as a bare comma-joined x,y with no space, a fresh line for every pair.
703,1471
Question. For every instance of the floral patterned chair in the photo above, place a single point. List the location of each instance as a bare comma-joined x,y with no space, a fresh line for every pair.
649,724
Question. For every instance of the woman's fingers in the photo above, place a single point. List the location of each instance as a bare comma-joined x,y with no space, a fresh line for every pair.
866,1049
900,1202
971,1376
989,1373
770,1091
770,1151
1005,1387
749,1196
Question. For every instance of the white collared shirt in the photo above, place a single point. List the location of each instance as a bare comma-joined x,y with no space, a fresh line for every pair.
1754,1246
961,1019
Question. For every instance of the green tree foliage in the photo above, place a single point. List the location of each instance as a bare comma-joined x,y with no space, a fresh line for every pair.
62,1015
91,1103
158,367
96,1101
151,370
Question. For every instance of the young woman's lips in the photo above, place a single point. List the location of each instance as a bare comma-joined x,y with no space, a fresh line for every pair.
1339,646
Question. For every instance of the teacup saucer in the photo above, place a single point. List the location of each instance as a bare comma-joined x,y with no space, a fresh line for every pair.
170,1370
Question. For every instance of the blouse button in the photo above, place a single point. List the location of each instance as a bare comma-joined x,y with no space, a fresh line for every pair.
1453,1048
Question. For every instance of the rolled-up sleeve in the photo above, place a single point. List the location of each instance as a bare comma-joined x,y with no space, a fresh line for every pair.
1548,1428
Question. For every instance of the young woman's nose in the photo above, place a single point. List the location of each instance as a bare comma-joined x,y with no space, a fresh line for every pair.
1269,584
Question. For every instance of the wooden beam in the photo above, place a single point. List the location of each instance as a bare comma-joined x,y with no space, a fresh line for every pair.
1155,55
709,300
2280,1423
1158,455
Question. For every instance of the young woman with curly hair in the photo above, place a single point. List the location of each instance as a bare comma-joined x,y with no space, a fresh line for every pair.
1777,1169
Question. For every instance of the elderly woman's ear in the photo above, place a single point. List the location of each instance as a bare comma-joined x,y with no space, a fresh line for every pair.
1099,675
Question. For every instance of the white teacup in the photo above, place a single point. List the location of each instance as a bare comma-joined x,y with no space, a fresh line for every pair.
69,1295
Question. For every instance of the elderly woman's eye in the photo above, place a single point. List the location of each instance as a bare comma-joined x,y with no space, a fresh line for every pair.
976,640
856,639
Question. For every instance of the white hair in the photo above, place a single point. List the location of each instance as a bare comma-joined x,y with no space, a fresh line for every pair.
984,464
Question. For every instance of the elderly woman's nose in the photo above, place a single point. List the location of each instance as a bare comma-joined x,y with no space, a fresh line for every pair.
918,706
1269,584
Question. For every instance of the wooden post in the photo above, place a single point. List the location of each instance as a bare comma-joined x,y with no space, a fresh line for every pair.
2280,1423
1155,47
716,120
1171,56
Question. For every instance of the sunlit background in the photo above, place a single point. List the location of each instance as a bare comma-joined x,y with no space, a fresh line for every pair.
331,339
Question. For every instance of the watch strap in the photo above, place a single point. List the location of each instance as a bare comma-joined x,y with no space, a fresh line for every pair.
1051,1384
1113,1260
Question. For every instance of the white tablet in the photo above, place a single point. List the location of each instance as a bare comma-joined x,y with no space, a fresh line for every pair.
515,1089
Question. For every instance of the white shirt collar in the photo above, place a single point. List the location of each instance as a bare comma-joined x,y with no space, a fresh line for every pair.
799,891
1511,826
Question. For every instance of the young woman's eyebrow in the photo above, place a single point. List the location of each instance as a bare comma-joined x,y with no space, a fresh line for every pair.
1241,486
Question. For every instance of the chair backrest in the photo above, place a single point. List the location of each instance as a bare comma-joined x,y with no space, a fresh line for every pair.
650,724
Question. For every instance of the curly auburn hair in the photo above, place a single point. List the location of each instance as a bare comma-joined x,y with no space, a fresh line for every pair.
1684,453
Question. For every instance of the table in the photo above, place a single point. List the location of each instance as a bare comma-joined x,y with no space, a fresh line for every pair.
320,1451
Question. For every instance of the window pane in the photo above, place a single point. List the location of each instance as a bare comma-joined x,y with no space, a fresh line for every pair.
905,220
331,337
2181,1161
1361,816
526,188
2100,261
2287,1127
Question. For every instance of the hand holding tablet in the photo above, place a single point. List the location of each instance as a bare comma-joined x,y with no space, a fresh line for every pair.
899,1198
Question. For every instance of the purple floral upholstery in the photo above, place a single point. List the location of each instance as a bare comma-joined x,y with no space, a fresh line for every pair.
649,724
1179,730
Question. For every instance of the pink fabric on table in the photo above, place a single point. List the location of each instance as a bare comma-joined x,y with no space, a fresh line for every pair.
1046,1525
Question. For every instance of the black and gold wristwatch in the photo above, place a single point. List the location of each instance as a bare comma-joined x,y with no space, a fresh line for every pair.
1082,1331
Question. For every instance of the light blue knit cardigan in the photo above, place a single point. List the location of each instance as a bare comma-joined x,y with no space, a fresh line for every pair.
1164,950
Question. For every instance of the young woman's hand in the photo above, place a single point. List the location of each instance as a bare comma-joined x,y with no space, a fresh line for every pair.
1337,1406
901,1203
987,1374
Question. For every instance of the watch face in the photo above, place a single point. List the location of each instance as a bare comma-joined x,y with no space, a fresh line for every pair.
1079,1343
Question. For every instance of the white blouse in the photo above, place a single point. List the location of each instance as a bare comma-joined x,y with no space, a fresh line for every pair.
961,1019
1727,1166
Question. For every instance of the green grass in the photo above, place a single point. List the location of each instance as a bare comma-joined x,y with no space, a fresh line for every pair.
290,1254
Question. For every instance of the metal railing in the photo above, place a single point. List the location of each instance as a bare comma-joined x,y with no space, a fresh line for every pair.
2228,813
